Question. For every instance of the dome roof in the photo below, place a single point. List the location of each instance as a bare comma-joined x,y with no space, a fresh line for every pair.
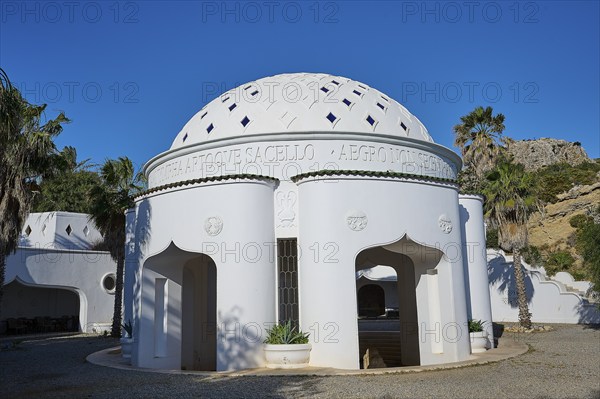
300,102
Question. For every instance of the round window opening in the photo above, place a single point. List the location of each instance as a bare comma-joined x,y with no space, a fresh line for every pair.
109,283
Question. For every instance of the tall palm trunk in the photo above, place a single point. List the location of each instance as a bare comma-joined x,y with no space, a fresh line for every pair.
117,315
524,315
2,269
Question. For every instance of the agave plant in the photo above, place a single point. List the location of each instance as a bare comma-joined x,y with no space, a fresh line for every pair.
284,333
128,327
475,326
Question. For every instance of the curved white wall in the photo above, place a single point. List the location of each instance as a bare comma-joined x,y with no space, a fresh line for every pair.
475,261
393,208
243,251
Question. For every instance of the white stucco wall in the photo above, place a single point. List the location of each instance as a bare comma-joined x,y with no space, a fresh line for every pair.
394,209
548,300
51,258
243,251
49,230
475,262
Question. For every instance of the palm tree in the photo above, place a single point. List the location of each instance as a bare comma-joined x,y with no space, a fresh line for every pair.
68,184
110,199
478,137
26,147
510,198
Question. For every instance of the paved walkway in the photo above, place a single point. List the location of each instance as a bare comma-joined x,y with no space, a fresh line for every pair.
507,348
559,364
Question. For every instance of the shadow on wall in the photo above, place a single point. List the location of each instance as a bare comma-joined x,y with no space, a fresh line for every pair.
73,242
142,222
239,346
502,274
589,313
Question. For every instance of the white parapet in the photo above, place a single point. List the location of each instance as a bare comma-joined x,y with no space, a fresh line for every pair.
549,301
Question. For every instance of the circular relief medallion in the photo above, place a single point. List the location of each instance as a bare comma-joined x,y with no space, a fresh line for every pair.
445,223
213,225
357,220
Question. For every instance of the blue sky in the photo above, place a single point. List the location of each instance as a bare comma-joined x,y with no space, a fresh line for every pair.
130,74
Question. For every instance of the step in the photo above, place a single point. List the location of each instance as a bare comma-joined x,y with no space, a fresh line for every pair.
387,344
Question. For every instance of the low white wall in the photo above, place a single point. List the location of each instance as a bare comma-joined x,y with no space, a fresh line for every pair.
548,300
567,279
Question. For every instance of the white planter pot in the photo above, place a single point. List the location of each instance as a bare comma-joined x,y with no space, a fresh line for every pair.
126,344
287,356
479,341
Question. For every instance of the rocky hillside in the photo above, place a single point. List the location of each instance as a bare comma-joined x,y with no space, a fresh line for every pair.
551,230
535,154
571,184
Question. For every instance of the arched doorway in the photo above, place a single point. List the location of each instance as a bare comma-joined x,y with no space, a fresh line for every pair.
371,301
429,326
199,315
391,336
32,309
179,313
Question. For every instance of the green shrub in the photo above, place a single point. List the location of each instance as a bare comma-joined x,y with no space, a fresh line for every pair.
558,261
588,246
578,221
579,275
284,333
491,238
468,182
561,177
532,256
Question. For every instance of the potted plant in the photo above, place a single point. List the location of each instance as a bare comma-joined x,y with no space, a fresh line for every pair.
127,340
286,347
478,336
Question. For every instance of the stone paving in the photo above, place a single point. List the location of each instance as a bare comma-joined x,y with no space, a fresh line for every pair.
561,363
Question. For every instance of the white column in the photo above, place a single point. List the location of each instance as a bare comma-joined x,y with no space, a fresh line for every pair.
475,261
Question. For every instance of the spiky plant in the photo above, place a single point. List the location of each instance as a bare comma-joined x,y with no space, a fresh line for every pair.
285,333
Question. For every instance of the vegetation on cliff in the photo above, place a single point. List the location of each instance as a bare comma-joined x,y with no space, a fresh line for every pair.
558,178
555,174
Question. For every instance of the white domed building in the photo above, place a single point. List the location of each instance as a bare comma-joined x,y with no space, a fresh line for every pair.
271,205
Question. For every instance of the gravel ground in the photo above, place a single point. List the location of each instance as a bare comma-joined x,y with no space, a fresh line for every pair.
561,363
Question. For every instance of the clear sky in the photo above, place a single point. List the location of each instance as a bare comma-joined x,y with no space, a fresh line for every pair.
130,74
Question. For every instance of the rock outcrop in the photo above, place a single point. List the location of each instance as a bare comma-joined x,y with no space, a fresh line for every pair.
534,154
552,229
